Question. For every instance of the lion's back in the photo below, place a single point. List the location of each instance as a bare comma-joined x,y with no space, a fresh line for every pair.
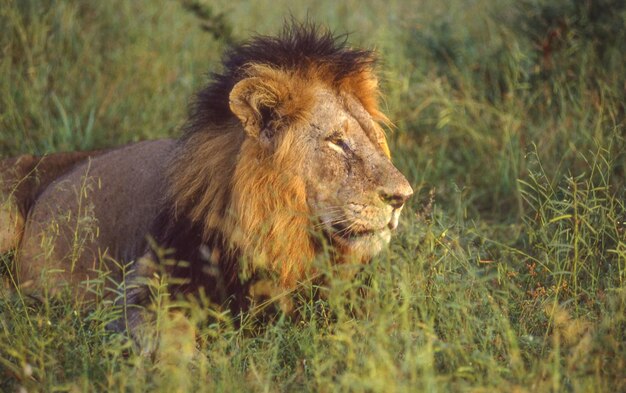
103,207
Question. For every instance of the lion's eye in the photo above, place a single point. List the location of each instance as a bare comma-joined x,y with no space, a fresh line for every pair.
338,143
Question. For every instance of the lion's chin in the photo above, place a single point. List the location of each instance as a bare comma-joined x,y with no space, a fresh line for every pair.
364,246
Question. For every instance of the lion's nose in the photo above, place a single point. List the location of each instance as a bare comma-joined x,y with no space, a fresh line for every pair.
396,196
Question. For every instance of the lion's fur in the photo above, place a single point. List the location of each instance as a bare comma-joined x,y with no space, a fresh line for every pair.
22,179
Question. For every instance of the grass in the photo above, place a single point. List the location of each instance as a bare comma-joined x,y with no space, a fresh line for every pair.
510,114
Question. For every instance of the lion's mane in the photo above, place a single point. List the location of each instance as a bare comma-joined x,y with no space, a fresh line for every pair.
227,200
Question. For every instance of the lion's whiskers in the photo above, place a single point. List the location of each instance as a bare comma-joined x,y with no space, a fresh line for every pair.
347,229
331,223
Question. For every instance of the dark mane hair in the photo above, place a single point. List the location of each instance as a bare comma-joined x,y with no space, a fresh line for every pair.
299,46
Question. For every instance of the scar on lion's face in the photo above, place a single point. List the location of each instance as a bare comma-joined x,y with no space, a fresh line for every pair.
353,190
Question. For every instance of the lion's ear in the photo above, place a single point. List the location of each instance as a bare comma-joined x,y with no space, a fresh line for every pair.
255,102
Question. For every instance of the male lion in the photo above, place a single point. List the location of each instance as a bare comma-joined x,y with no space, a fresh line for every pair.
282,155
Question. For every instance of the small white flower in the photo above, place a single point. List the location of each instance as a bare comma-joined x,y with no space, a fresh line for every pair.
28,370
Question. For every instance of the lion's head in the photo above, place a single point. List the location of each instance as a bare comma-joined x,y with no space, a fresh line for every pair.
285,149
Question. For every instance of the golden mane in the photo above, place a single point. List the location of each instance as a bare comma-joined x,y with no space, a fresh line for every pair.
243,200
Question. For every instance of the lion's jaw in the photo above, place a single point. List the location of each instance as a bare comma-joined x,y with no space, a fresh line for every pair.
355,235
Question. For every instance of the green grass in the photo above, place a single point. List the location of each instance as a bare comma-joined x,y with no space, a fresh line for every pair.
510,113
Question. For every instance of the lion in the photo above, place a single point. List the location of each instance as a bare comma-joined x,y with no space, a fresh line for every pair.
283,156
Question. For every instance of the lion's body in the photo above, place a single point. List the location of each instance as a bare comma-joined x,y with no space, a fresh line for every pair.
62,232
22,179
282,156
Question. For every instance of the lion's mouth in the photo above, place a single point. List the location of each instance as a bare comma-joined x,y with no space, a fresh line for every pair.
347,232
358,240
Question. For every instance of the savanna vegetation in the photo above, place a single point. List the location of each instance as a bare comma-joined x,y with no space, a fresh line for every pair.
509,269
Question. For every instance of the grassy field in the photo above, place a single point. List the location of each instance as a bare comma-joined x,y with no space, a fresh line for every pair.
509,270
